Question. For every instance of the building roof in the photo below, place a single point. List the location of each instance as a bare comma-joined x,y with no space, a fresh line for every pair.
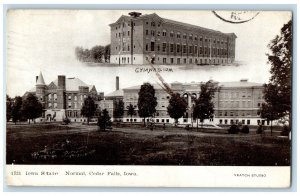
72,84
239,84
191,26
40,80
117,93
242,83
156,86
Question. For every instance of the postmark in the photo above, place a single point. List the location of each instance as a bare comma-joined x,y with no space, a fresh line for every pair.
236,17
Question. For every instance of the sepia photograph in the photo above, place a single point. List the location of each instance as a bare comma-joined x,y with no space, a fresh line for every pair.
148,89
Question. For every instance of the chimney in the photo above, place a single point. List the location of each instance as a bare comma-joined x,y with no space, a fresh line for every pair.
117,83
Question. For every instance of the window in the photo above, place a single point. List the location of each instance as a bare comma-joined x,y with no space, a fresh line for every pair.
153,33
178,35
158,47
157,120
146,32
69,98
69,104
178,48
49,105
196,38
49,97
184,36
171,47
171,34
248,122
167,120
184,49
190,49
190,37
55,97
164,46
146,47
152,46
220,121
128,33
164,33
55,105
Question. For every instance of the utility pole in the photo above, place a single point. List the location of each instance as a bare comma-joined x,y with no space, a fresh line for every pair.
133,15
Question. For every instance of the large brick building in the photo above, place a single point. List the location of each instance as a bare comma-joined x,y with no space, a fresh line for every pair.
63,97
233,102
162,41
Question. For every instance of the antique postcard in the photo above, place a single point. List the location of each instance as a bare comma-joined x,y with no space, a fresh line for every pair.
148,98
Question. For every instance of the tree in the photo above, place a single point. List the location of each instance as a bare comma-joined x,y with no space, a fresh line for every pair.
8,108
269,112
97,53
88,108
146,101
204,106
104,120
177,107
131,111
107,53
277,93
31,107
16,109
118,109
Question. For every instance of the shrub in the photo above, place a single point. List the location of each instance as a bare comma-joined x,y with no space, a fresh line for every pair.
260,129
66,121
234,129
285,131
245,129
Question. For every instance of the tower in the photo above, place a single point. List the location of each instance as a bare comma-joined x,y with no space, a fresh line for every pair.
61,92
40,88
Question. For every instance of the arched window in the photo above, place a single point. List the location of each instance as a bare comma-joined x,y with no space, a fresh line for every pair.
55,97
49,97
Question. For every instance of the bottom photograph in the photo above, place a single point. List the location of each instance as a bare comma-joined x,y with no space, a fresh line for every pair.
206,123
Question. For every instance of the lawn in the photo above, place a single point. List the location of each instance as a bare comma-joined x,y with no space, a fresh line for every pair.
84,145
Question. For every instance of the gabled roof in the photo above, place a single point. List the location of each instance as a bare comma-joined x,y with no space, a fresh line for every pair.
117,93
72,84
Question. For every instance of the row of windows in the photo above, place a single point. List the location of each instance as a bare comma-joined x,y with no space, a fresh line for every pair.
128,34
73,114
184,36
236,104
236,113
123,25
243,122
178,48
230,95
82,97
190,61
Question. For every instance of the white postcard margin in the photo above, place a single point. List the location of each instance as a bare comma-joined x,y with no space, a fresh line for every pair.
148,176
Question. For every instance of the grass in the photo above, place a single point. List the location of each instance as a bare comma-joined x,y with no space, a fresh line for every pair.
140,146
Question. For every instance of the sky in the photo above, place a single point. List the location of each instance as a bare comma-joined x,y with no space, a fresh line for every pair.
44,40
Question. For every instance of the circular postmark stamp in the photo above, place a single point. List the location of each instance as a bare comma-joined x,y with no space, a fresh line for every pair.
236,17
